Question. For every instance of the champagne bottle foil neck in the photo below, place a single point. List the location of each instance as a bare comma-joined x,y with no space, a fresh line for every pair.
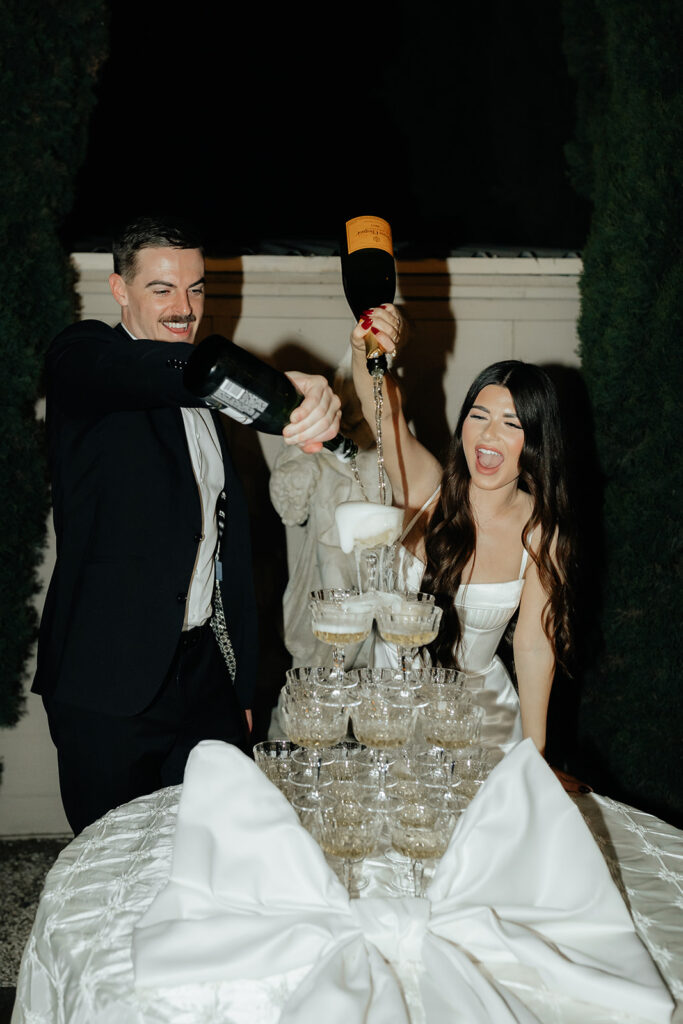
372,349
342,447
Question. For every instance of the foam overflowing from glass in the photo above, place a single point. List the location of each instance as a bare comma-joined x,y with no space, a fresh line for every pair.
369,530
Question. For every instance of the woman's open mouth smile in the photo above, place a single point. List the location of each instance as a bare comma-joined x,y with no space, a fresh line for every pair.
489,460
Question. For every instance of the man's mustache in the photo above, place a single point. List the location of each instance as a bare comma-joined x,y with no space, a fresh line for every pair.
189,318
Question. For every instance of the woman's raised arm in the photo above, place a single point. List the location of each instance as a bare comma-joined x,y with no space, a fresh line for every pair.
413,471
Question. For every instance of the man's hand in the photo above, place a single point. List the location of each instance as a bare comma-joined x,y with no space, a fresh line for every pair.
317,418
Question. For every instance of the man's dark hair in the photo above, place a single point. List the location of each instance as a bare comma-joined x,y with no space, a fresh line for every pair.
146,233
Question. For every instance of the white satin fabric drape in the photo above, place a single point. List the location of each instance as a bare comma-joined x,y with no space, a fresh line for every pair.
521,911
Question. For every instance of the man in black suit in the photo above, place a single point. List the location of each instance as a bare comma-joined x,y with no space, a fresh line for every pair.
133,665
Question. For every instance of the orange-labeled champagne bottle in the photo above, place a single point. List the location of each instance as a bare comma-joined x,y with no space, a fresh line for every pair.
368,275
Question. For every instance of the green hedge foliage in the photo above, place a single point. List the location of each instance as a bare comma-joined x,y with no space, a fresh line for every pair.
50,54
627,156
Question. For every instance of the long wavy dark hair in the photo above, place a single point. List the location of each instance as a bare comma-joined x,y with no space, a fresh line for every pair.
450,538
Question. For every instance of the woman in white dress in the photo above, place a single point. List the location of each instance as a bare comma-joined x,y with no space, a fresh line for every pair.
489,532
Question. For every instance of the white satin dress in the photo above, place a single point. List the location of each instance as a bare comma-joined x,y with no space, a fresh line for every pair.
484,610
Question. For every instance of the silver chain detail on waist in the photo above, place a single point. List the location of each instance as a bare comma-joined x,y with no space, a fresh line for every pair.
220,630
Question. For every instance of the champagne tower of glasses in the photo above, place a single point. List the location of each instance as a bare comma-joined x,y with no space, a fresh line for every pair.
379,759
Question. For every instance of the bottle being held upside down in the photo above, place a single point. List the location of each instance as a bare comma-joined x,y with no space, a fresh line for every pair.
369,279
242,386
368,275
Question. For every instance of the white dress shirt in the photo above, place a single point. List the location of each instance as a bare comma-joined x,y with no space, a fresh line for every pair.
207,465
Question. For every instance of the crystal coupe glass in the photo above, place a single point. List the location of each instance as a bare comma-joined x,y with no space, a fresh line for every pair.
409,630
349,828
383,720
420,830
338,621
313,722
326,680
451,722
274,758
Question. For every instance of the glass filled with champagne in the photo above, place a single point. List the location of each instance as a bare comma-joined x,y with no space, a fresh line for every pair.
409,628
349,829
421,830
340,622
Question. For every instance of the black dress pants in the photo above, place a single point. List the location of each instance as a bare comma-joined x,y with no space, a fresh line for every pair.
106,760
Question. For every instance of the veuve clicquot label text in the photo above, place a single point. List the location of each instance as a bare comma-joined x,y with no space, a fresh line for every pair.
368,233
235,401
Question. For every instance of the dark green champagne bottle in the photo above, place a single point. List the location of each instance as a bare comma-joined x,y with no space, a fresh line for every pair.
242,386
368,275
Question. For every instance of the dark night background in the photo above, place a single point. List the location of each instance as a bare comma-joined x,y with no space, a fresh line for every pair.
270,127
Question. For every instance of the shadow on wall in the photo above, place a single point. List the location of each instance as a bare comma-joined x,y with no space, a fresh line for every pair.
422,359
585,484
222,303
291,355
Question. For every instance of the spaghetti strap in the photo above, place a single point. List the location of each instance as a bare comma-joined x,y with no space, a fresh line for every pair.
417,515
525,555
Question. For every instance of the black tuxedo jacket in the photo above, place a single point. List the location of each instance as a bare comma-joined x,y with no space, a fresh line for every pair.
128,520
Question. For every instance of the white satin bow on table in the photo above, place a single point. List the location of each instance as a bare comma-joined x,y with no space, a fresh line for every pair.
521,893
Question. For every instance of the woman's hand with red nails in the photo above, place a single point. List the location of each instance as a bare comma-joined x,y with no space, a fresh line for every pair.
384,323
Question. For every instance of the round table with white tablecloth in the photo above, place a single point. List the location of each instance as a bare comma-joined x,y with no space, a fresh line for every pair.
78,962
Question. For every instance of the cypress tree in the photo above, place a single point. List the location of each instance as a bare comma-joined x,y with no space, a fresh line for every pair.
51,54
627,156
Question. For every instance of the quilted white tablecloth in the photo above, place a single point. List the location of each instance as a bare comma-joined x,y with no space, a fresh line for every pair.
78,962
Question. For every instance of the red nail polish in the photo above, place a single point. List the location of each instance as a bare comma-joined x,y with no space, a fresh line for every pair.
375,330
365,324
